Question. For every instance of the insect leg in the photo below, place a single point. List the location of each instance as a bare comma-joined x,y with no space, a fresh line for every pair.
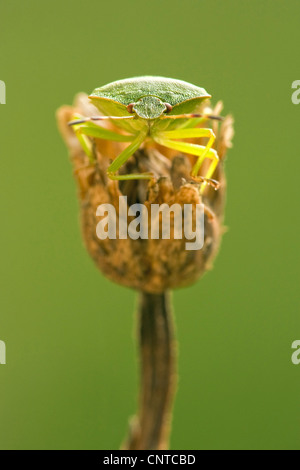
123,157
89,129
200,151
190,133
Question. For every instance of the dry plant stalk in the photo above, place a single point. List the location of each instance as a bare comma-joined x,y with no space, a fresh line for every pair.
151,428
152,267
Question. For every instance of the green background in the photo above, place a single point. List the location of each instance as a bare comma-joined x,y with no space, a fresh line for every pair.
71,376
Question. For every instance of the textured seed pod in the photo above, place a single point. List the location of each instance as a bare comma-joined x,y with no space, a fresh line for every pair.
149,265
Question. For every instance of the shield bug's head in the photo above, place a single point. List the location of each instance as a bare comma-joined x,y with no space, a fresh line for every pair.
148,107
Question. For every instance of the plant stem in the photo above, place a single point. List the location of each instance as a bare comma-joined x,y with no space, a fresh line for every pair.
151,428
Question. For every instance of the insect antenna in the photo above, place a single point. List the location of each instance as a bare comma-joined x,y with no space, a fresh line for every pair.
194,115
97,118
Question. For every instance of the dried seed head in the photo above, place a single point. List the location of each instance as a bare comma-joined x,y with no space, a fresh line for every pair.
150,265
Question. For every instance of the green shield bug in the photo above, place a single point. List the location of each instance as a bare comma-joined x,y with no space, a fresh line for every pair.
156,108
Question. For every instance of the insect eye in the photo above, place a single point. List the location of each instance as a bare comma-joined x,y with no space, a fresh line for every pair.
130,108
169,107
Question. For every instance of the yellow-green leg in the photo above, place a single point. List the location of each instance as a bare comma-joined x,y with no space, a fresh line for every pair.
123,157
202,152
84,129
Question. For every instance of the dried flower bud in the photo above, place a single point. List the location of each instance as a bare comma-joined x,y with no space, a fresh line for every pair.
150,265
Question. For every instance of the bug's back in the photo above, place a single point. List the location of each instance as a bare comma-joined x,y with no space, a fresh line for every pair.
175,92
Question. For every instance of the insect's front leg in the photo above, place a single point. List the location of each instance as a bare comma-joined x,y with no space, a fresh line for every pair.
123,157
87,128
84,129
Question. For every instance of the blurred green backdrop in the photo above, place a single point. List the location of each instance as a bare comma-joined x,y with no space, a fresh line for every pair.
70,381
